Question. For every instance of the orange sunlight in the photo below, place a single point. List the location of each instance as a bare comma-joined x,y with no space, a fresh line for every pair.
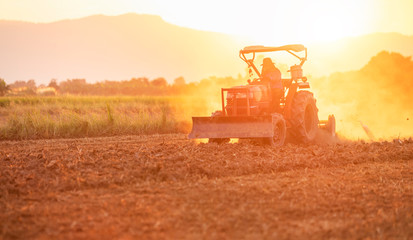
206,119
276,22
160,41
330,20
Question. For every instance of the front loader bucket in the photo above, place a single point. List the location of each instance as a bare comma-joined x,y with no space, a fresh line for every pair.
232,127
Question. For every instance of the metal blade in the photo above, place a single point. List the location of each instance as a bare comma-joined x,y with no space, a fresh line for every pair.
232,127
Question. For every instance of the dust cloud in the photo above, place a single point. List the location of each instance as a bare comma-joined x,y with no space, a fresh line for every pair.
374,102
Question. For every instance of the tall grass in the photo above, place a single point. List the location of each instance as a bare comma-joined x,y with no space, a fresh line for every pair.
83,116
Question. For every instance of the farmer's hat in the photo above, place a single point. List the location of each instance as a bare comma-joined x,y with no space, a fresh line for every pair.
267,61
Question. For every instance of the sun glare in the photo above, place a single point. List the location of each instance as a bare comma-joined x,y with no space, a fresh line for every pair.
330,20
274,22
308,21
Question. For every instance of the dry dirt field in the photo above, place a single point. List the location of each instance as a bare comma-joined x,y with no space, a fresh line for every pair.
168,187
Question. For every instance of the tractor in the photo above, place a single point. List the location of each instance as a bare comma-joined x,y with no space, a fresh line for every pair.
247,111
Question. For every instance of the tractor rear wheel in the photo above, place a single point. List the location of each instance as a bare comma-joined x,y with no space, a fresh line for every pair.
304,118
218,140
280,131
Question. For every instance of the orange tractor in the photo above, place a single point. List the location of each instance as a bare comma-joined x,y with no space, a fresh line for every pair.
247,110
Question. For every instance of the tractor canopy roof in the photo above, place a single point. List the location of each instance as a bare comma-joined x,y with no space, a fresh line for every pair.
260,49
255,49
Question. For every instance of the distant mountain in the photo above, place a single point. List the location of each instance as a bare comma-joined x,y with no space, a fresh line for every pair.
113,48
121,47
352,53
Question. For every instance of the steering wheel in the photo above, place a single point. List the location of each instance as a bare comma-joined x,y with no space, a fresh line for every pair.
254,81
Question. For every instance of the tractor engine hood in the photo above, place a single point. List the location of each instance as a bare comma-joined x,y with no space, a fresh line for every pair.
256,92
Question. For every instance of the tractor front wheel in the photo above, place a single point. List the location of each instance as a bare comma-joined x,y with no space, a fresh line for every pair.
280,131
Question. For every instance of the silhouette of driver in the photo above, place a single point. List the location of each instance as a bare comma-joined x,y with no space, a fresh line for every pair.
271,75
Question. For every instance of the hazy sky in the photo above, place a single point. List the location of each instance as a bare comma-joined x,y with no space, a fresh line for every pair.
263,20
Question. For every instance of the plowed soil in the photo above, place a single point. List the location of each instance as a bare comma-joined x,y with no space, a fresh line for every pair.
165,186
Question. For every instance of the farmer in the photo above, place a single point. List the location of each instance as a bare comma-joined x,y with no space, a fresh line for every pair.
271,75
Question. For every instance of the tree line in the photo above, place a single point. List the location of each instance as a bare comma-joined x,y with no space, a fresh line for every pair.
134,86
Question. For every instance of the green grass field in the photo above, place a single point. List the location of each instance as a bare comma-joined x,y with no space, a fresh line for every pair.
87,116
